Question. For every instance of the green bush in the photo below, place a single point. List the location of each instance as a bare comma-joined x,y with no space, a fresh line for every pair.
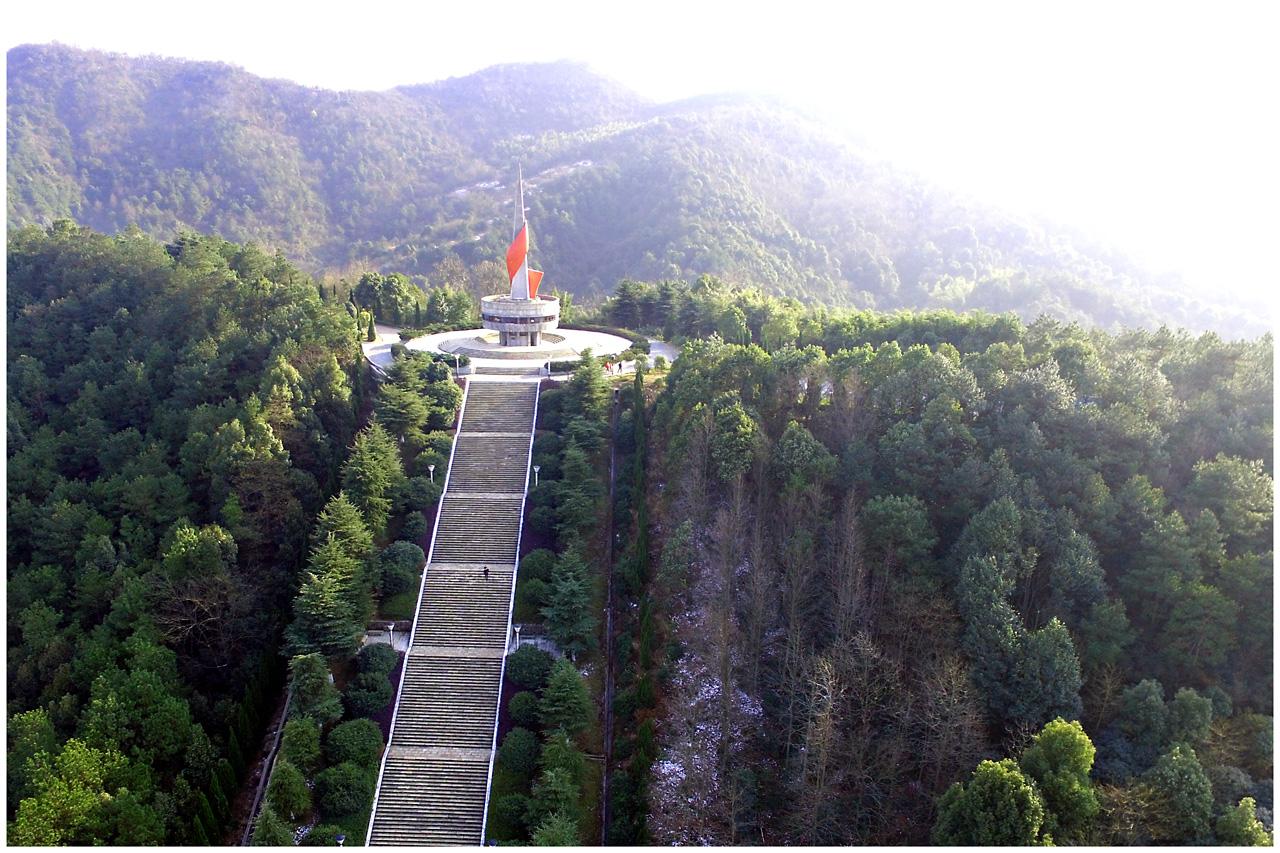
300,743
537,564
528,667
287,792
659,362
400,563
379,658
414,528
509,811
432,456
368,694
519,754
270,831
639,341
423,493
531,595
343,790
324,835
523,707
357,742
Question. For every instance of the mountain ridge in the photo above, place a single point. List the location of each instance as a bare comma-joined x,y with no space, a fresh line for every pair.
734,186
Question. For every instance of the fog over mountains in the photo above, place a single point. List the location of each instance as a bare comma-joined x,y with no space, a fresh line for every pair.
735,186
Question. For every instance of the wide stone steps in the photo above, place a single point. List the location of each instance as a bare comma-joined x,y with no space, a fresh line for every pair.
434,778
499,407
478,528
461,608
426,802
448,702
485,462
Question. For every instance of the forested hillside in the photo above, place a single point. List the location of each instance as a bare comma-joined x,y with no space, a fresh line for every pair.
885,562
741,188
177,415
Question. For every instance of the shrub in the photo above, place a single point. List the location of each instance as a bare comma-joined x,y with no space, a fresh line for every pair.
537,565
343,790
523,708
270,831
357,742
287,792
429,457
399,563
528,667
531,595
414,528
659,362
368,694
300,743
519,753
510,809
323,835
423,493
377,657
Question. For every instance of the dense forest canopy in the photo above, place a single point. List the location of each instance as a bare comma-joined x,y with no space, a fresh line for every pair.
177,415
893,550
741,188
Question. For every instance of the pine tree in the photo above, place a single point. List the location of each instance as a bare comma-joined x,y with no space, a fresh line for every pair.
341,519
270,831
570,617
372,475
325,611
314,695
565,703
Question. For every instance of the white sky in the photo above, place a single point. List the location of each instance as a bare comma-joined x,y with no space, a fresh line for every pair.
1150,126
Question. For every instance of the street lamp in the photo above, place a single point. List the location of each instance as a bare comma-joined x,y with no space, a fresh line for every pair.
340,838
536,469
431,469
517,627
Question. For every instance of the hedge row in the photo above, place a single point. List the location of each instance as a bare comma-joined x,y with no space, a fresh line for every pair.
639,341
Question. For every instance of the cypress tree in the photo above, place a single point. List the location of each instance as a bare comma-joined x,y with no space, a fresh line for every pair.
372,335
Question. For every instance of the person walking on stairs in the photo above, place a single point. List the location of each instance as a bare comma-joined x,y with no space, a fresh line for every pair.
486,572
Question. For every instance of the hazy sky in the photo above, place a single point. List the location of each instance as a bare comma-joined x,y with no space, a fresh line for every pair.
1150,126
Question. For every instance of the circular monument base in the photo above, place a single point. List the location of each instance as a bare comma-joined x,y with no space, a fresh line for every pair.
487,345
482,345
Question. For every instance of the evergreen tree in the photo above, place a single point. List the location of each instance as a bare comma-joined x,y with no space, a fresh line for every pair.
314,695
998,806
1240,827
341,519
570,618
565,702
372,475
287,792
1184,794
1059,759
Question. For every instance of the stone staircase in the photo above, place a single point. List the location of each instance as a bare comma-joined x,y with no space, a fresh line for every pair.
434,780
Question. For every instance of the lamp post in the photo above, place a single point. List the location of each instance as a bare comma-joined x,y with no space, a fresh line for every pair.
517,627
340,838
536,469
431,469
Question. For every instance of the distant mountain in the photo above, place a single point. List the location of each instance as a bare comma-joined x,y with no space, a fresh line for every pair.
738,187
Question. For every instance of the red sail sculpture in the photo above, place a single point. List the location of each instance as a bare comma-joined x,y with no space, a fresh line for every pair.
524,281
